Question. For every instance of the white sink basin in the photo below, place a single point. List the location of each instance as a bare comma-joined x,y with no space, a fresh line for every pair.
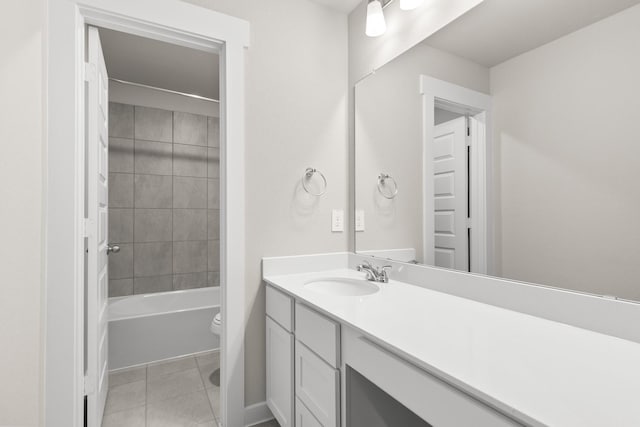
343,287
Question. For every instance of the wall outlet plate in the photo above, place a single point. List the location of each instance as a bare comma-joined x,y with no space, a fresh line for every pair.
337,220
359,220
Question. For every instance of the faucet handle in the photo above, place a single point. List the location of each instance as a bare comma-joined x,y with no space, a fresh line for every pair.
384,273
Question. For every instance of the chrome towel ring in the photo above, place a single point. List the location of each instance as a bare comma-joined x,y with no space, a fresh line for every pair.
382,182
308,174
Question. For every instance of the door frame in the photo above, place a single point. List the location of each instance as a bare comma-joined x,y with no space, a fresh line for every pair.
438,92
171,21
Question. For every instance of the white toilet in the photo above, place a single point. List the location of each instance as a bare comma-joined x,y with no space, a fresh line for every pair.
216,324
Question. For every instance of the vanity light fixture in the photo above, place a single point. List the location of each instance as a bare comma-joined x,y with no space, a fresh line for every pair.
375,19
376,25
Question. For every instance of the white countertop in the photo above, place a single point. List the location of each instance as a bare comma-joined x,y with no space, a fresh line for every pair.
539,370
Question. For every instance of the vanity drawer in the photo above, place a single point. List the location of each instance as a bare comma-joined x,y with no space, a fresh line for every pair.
317,386
304,417
280,308
319,333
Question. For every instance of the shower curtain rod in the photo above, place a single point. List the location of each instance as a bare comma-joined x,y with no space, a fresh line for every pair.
189,95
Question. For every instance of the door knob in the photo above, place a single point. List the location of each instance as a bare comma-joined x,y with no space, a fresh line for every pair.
113,249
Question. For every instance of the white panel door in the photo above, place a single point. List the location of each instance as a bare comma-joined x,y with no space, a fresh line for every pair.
450,180
96,382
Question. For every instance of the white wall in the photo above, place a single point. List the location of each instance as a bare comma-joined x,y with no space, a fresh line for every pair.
21,136
388,138
567,150
296,117
405,29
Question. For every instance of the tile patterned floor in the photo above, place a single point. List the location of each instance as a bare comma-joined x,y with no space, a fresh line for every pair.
175,393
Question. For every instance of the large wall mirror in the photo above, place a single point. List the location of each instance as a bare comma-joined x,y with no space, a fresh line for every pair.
508,147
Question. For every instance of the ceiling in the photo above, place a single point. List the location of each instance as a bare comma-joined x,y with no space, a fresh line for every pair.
489,34
159,64
497,30
345,6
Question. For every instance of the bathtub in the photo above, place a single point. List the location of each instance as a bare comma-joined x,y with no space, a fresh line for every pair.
153,327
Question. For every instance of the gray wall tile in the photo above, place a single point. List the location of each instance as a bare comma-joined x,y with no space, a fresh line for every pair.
189,281
148,285
213,194
121,155
213,224
153,158
189,129
153,225
213,163
152,259
189,192
120,225
153,124
153,191
170,174
189,160
121,264
189,257
214,255
189,224
213,278
120,120
120,190
213,131
120,287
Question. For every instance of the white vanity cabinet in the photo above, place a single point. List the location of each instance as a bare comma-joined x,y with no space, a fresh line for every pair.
303,356
310,358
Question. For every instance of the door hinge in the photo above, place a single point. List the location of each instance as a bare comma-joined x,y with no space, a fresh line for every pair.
90,72
89,385
468,222
87,227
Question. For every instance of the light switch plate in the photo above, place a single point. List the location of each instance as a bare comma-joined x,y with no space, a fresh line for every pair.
337,220
359,220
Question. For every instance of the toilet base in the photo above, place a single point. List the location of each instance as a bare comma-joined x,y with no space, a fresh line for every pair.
215,377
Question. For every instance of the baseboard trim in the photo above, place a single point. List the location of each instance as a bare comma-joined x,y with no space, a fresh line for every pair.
256,414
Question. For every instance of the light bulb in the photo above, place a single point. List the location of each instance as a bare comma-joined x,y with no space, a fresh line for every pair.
375,19
409,4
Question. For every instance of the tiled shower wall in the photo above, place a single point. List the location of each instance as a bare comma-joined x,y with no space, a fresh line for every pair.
164,204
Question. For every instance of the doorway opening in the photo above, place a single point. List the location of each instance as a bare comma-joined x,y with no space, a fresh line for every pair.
456,146
153,197
72,118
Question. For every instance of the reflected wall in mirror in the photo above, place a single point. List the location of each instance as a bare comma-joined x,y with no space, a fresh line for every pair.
510,155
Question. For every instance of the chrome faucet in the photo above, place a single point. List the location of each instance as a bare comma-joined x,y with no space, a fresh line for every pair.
375,274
